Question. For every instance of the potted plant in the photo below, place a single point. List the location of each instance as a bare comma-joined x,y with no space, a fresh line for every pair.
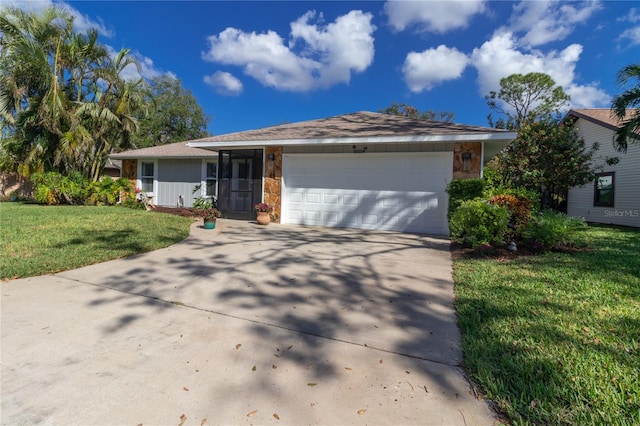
263,213
209,215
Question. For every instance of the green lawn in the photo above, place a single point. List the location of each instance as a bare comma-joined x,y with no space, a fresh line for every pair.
555,338
39,239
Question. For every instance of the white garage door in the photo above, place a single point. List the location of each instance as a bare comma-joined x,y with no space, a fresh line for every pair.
392,191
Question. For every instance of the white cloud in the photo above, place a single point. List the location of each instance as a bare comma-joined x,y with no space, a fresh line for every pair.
315,56
224,83
81,22
548,21
633,16
432,16
499,58
633,34
424,70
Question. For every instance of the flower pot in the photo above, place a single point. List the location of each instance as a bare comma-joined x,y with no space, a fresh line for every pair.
263,218
209,225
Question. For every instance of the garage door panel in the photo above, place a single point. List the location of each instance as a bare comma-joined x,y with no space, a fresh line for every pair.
391,192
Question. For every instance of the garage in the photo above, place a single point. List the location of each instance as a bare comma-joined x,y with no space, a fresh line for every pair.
387,191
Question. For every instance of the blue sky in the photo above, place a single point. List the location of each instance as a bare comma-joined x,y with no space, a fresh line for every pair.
255,64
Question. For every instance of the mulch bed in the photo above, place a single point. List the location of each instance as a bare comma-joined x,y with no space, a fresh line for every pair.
173,210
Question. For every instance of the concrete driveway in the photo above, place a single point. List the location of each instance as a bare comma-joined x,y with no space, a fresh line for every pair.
242,325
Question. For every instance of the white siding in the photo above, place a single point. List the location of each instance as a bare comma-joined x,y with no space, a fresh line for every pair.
626,209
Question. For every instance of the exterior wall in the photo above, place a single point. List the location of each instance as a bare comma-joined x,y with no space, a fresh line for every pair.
471,170
391,147
14,184
626,209
177,178
273,181
130,170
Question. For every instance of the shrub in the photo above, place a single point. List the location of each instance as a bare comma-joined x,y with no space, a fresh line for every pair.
109,191
554,230
476,222
53,188
463,190
519,213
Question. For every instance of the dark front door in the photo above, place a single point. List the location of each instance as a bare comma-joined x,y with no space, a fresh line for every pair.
240,183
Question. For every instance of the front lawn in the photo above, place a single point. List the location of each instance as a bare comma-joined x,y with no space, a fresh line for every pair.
555,338
40,240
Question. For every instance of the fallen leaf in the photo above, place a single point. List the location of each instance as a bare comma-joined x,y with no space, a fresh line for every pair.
596,341
183,419
361,412
311,384
348,368
203,421
254,368
253,413
407,371
185,388
238,345
380,361
313,404
276,416
273,366
425,389
289,348
586,329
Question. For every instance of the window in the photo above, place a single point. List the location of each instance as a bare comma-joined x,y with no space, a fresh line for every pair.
604,189
211,179
146,177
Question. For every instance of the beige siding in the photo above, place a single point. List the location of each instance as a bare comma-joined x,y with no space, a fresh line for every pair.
626,210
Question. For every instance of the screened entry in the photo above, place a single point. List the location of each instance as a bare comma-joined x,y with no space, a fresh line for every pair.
240,182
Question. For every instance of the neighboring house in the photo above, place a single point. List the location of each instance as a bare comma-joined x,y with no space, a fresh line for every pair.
112,169
170,173
614,197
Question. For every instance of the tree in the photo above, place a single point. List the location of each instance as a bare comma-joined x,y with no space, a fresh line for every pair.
548,158
623,108
529,97
63,103
174,115
405,110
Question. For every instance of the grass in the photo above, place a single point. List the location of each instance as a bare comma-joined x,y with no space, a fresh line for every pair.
555,338
39,240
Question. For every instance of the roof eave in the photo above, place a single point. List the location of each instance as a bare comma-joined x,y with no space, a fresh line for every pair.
473,137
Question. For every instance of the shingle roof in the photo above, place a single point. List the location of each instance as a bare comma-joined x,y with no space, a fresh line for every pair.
600,116
173,150
355,125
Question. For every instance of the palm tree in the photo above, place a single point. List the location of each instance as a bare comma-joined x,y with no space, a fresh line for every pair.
626,108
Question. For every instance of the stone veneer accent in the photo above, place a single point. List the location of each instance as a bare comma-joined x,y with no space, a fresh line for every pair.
273,181
459,148
130,170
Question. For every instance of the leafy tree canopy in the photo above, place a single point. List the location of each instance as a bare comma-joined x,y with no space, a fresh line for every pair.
65,104
548,158
528,97
626,107
412,112
173,115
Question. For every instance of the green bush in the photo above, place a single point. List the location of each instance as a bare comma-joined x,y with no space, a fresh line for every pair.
53,188
109,192
463,190
553,230
476,222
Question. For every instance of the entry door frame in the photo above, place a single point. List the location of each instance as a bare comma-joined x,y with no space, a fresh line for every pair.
239,188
